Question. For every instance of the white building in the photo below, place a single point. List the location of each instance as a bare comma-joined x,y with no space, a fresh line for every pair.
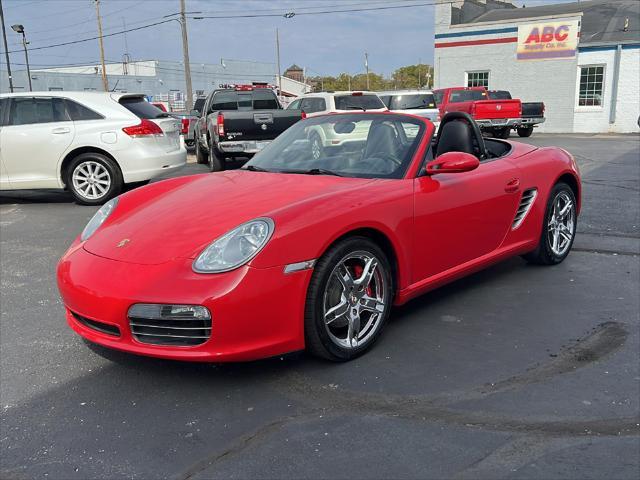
581,59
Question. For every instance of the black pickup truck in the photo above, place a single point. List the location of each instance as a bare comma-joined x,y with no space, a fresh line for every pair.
239,122
532,112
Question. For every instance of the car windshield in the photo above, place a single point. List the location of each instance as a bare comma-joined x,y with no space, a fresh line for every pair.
358,101
412,101
351,145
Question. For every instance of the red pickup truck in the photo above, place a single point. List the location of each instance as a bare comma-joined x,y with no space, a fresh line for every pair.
496,117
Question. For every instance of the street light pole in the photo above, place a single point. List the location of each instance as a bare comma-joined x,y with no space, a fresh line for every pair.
6,50
185,53
20,29
366,64
278,60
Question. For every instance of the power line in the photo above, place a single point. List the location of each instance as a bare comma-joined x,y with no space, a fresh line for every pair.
285,14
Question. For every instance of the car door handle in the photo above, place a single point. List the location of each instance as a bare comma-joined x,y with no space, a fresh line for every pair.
512,186
61,130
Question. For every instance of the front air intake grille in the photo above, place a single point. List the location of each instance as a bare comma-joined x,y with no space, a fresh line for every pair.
526,202
98,326
177,325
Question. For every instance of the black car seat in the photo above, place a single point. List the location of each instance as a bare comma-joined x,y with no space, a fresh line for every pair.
459,133
382,141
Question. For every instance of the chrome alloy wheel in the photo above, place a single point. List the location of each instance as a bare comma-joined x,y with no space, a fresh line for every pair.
91,180
316,148
562,224
354,299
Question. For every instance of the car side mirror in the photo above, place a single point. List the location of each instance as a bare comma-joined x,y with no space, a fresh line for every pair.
453,162
195,113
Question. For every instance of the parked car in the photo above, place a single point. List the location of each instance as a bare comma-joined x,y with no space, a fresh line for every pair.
532,112
415,102
89,143
188,122
495,117
239,122
309,252
327,139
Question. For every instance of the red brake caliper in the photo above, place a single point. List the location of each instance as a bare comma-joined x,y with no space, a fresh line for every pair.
357,270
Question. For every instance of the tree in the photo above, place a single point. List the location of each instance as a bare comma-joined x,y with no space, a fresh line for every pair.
410,76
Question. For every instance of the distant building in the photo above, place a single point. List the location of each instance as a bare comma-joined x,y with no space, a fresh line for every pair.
294,72
581,59
159,80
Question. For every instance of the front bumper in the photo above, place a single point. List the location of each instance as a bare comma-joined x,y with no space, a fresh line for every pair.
256,313
499,122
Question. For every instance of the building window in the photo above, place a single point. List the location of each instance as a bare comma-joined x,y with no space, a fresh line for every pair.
478,79
591,86
55,89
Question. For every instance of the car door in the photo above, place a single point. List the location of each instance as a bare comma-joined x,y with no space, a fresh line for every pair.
460,217
36,137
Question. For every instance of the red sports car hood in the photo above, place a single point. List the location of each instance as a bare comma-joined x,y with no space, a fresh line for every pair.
180,217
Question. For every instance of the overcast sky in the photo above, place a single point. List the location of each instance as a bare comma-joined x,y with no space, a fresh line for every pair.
326,44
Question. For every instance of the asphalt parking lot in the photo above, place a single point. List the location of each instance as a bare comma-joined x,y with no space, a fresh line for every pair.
517,371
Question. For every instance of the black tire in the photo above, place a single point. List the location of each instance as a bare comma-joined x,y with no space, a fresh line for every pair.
503,133
108,171
316,145
217,161
544,254
525,131
202,156
317,338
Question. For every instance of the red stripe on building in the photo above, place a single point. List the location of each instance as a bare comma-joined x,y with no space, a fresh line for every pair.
466,43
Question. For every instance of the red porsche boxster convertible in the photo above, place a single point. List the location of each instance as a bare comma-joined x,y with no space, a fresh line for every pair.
310,248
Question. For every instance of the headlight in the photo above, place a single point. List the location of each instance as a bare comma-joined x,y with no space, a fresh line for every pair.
235,248
98,219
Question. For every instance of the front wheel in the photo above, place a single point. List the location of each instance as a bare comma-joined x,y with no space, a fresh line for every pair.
503,133
93,178
558,229
316,145
349,299
525,131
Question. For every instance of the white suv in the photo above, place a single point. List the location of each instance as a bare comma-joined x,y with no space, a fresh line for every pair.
87,142
415,102
323,136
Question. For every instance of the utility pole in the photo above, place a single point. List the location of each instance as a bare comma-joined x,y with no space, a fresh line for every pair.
419,67
366,65
6,50
185,53
278,61
105,82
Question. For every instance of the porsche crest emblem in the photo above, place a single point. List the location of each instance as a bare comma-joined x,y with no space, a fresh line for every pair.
122,242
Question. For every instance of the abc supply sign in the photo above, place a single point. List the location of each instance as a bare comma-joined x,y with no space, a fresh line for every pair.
545,40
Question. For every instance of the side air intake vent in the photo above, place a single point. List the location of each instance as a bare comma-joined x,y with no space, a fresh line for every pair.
526,202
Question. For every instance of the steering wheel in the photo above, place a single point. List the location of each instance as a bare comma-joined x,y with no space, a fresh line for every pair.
479,146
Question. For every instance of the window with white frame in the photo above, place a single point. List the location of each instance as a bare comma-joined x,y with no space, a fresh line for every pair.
478,79
591,86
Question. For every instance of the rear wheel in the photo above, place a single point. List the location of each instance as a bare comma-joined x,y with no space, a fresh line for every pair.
202,157
558,229
525,131
93,178
216,159
349,299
